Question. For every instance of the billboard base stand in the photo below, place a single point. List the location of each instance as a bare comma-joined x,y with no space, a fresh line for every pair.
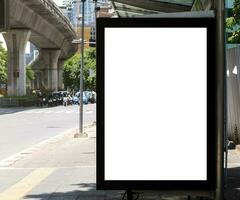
129,195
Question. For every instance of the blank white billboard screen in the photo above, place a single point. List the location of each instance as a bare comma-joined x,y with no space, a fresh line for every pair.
155,104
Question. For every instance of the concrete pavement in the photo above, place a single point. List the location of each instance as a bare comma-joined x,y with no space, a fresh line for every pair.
64,169
232,191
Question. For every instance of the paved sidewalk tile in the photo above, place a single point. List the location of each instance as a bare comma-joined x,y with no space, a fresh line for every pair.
232,192
74,175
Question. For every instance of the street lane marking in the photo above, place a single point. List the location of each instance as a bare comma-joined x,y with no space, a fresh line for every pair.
29,112
54,112
59,167
20,189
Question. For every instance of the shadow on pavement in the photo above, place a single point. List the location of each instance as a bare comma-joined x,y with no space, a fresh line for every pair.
232,191
87,191
11,110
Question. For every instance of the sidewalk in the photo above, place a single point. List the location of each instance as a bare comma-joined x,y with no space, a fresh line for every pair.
232,191
64,169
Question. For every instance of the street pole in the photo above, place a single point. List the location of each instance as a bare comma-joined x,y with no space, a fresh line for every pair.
220,62
95,12
96,9
80,133
81,74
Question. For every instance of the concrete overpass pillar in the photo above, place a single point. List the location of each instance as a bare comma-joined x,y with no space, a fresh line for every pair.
60,74
16,40
50,58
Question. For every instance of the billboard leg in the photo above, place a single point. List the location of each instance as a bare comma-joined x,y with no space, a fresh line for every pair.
220,63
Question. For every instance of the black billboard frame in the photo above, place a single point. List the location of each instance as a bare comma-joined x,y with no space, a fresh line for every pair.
210,183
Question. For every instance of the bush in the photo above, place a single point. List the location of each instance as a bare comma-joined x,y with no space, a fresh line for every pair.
22,101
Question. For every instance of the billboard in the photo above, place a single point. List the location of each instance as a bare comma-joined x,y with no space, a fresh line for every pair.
156,119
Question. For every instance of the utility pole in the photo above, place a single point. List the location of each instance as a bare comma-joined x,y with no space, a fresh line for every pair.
80,133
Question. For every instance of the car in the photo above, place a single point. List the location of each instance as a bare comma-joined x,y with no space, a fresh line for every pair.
75,100
91,95
85,99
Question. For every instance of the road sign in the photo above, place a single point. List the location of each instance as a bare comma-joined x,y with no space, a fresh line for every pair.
166,138
4,18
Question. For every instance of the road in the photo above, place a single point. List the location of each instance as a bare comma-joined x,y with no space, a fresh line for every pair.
22,128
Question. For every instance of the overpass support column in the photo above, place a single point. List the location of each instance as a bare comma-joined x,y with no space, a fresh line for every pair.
60,74
16,40
50,58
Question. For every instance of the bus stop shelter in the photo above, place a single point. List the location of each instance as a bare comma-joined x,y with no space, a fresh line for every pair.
192,9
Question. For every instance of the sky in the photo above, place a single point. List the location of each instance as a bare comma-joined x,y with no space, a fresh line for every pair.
3,41
4,44
58,2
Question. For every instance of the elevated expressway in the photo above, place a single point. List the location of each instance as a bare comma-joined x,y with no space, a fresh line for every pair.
42,23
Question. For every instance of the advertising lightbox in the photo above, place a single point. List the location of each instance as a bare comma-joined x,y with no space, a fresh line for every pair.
156,114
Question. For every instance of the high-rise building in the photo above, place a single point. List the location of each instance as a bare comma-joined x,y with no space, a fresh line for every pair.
89,12
73,10
66,6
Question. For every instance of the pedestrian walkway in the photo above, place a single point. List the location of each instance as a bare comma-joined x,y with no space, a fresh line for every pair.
50,110
232,191
64,169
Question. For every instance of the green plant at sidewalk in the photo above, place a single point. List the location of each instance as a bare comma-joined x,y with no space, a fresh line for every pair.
3,64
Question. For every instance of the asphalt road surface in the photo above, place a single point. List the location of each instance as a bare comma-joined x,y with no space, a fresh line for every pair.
21,128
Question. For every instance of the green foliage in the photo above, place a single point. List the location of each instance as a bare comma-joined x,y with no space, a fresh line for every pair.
236,10
71,72
29,74
230,23
3,64
233,22
25,101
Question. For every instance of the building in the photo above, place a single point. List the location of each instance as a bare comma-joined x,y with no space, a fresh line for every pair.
73,10
66,6
31,54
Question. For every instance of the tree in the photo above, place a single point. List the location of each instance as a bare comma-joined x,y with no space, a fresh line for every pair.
233,22
29,74
71,72
3,64
90,69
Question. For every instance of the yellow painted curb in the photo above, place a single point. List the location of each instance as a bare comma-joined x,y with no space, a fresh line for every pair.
20,189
